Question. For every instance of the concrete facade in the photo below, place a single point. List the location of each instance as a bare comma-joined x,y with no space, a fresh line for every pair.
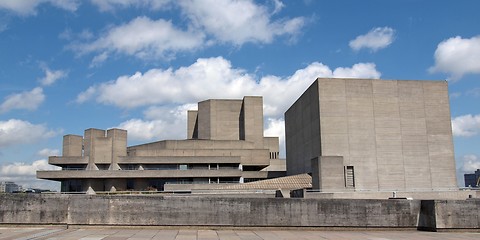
392,135
225,144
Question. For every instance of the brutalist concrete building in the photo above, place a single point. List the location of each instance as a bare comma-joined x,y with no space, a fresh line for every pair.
225,144
372,135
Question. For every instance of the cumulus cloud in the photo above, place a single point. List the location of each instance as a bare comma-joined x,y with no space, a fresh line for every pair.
169,93
375,39
207,22
51,76
275,127
110,5
143,38
470,163
214,78
29,7
466,125
24,174
46,152
239,22
458,56
16,131
29,100
160,122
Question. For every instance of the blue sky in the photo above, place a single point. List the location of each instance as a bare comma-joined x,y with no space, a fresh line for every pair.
69,65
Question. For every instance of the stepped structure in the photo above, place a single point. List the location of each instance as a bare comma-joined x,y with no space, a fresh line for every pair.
372,135
225,145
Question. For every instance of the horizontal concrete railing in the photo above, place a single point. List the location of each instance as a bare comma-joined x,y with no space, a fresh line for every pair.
237,212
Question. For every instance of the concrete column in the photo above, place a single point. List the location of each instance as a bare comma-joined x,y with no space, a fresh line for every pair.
90,137
119,146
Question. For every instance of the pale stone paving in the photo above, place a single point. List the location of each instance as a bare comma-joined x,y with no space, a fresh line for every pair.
57,233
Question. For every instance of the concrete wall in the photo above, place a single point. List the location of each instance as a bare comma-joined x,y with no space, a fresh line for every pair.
444,195
192,124
219,119
251,120
205,211
302,132
224,211
396,134
327,174
438,215
72,145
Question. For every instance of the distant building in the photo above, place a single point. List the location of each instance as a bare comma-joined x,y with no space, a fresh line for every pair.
225,145
9,187
372,135
471,179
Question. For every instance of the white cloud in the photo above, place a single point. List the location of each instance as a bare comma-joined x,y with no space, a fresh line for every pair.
25,174
161,123
470,163
70,5
28,7
278,6
86,95
207,22
139,129
29,100
143,38
215,78
170,93
22,169
51,76
357,71
99,59
275,127
239,22
458,56
110,5
375,39
46,152
466,125
16,131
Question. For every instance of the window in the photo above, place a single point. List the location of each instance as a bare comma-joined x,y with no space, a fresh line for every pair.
349,177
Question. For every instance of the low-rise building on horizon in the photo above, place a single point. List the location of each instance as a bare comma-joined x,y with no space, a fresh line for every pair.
9,187
472,179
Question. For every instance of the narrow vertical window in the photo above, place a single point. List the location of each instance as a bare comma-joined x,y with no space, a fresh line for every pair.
349,177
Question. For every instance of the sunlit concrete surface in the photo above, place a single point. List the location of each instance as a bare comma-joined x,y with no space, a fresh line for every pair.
185,234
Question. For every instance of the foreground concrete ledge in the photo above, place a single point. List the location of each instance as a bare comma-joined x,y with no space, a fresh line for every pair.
214,212
199,227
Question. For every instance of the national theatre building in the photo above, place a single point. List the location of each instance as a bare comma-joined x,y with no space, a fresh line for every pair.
348,135
225,145
372,135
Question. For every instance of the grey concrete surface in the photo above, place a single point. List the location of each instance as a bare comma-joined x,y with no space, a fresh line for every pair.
53,233
395,133
154,210
145,210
